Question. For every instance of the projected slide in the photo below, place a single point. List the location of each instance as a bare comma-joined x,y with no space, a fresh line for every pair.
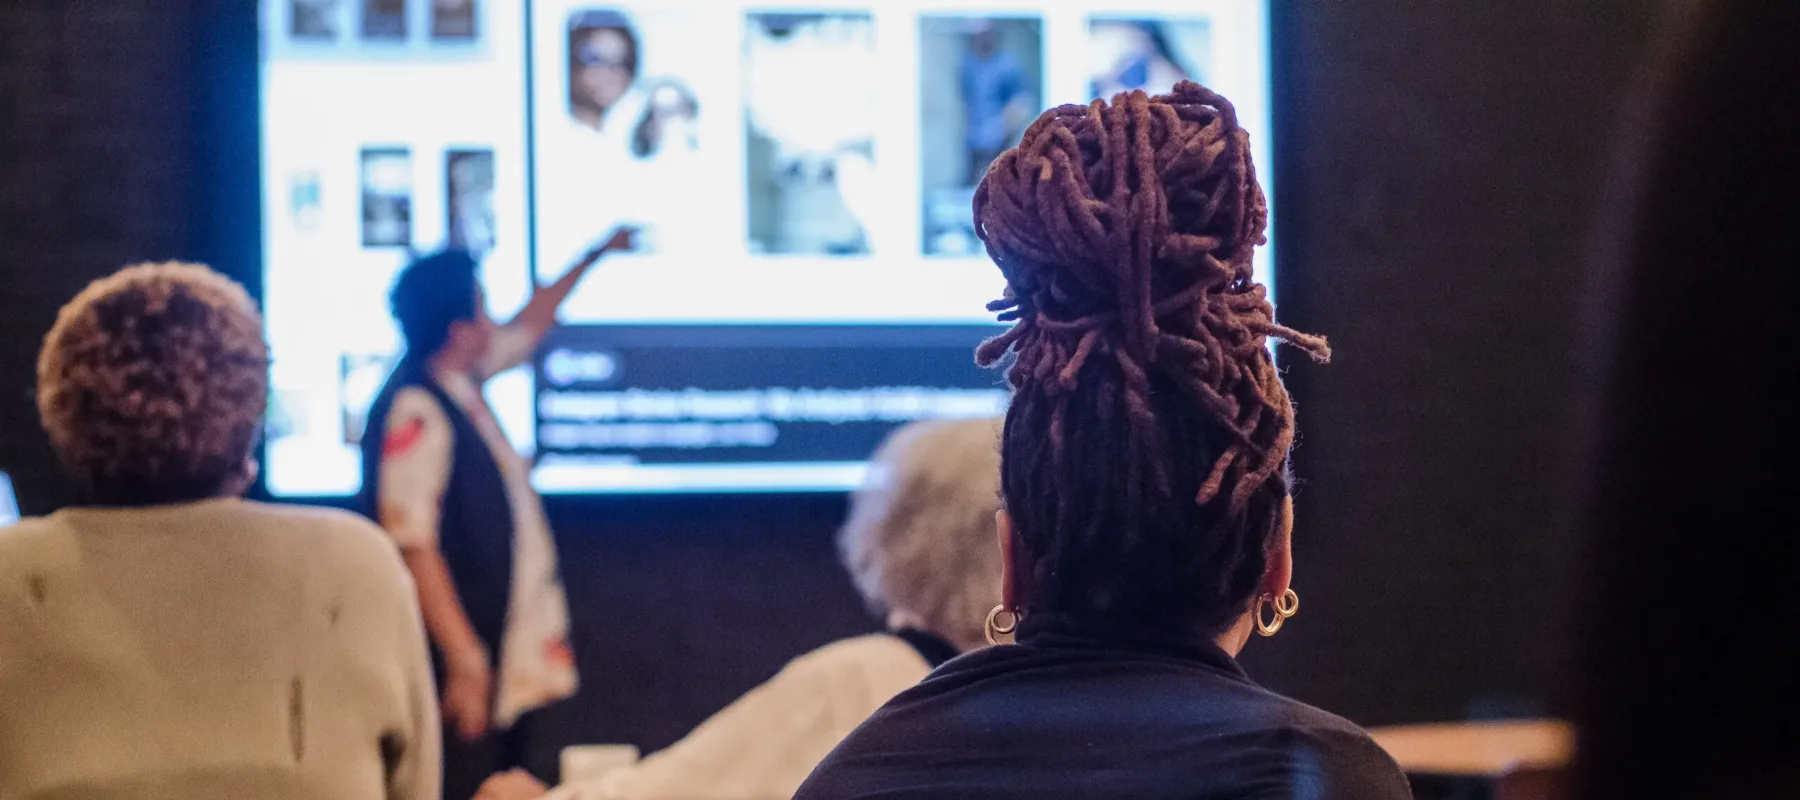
806,274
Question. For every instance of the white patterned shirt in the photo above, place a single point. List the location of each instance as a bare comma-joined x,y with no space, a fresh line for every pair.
535,665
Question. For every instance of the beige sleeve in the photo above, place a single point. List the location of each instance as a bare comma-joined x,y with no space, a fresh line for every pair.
415,468
765,743
510,346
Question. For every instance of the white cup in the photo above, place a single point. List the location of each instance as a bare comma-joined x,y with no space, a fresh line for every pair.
591,762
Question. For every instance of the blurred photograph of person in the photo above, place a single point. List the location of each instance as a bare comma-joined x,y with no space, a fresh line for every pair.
1125,54
386,197
164,638
996,101
453,19
629,149
444,481
469,199
979,80
811,164
313,19
919,544
587,144
603,65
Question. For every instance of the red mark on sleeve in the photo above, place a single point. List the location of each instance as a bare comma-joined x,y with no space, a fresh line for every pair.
556,651
403,439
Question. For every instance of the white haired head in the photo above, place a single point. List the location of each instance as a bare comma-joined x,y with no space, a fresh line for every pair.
919,541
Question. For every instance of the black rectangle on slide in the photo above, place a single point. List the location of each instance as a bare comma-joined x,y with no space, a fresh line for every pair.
742,395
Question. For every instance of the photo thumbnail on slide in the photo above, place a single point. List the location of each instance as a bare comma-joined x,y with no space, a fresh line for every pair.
315,20
360,378
624,144
980,85
306,201
453,19
1148,54
469,200
672,408
384,19
810,111
387,197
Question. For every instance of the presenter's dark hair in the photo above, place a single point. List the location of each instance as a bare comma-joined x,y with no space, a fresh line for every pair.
432,294
1145,450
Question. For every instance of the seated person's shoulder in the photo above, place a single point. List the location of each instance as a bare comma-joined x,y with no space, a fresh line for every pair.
1326,755
18,542
331,534
873,647
1290,712
333,523
859,661
352,557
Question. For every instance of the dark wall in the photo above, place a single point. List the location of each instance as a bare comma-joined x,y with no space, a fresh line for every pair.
1437,170
1437,162
1708,201
95,117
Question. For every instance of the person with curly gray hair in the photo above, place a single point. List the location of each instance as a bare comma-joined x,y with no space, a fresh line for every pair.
167,639
919,540
919,543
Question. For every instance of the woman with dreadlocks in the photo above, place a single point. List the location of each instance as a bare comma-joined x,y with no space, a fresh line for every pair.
1143,472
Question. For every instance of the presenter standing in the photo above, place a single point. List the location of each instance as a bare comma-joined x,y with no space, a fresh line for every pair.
446,484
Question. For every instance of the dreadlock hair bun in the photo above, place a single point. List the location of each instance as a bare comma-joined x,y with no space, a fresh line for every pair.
1144,454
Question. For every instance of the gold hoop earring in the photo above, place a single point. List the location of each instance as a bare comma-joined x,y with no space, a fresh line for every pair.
995,630
1284,607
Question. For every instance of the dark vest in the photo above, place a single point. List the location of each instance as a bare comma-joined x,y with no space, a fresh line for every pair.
475,529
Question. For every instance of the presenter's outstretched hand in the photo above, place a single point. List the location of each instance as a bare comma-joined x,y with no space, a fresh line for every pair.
539,314
622,239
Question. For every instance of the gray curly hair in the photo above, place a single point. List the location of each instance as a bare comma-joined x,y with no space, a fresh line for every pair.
919,541
152,385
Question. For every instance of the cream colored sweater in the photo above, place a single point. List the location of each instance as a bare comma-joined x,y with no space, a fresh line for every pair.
223,649
763,746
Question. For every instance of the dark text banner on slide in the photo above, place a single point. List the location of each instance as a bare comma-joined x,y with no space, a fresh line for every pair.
755,407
